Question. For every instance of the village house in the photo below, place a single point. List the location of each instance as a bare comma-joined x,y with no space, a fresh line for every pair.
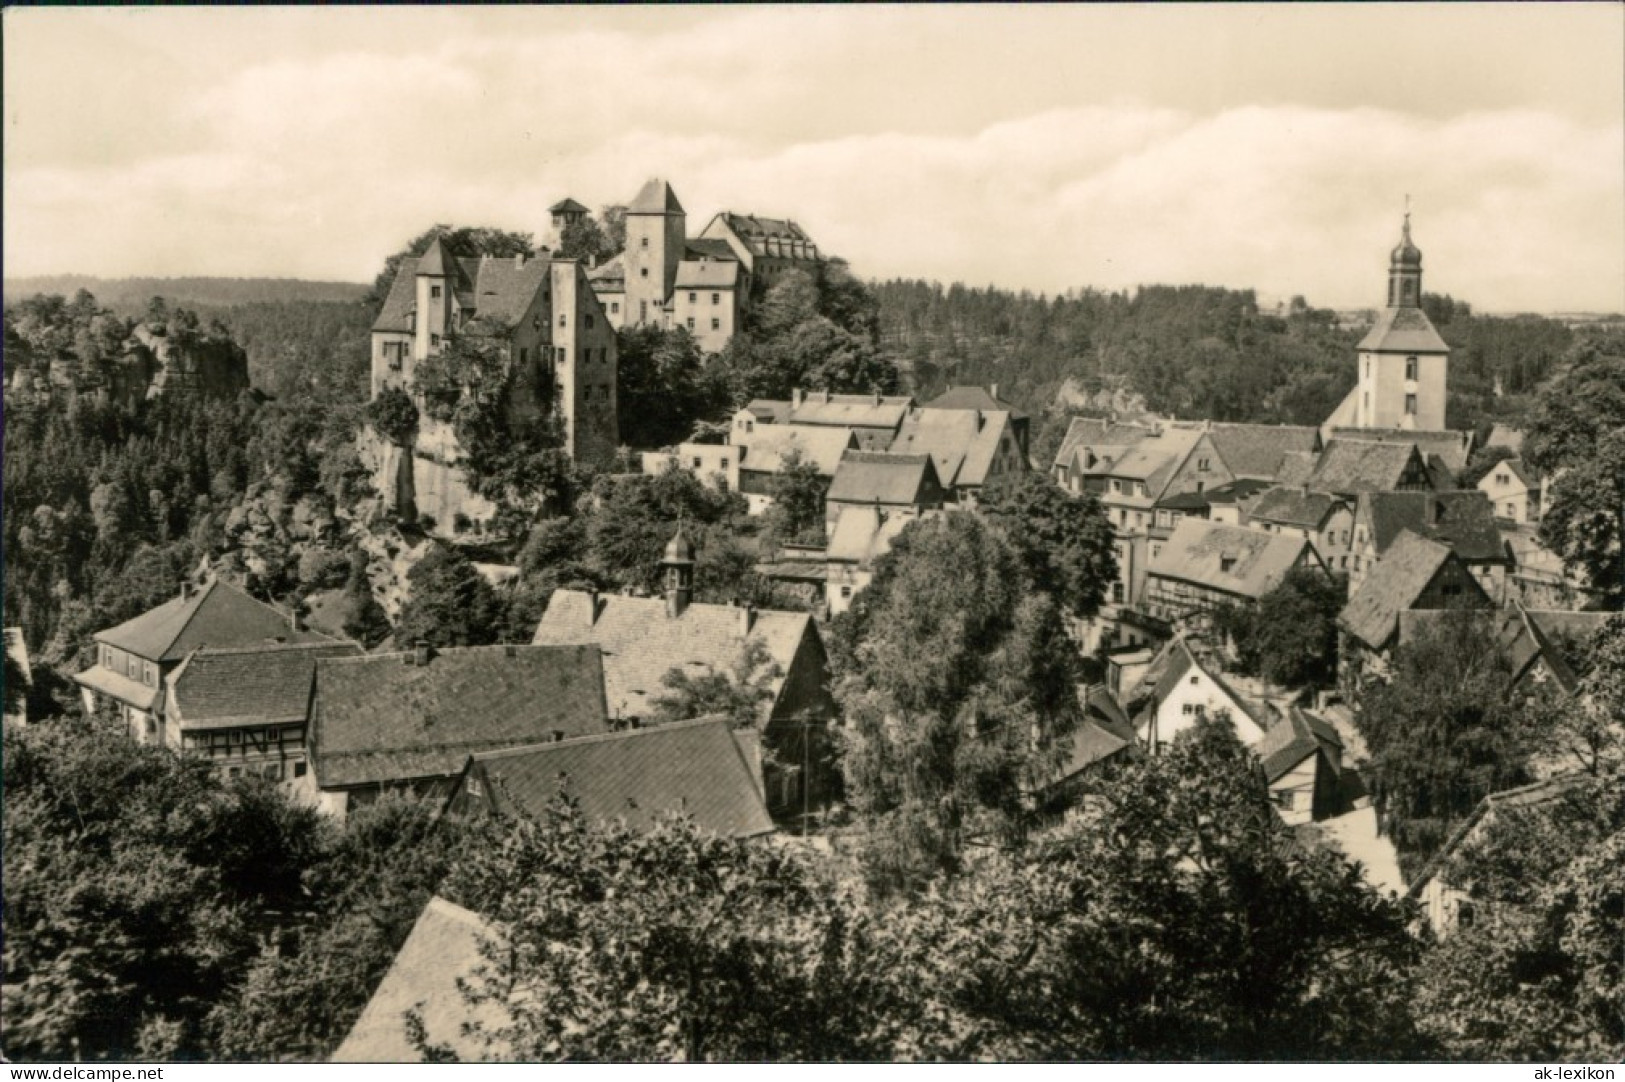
1513,491
1204,566
643,639
1257,452
135,660
1320,518
1463,520
973,399
968,448
768,248
860,536
696,768
1303,762
1445,452
1415,573
1544,648
1348,467
409,721
1102,738
17,651
1444,887
902,486
766,452
246,709
1089,448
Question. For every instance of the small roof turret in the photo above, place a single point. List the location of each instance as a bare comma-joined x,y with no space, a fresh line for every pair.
679,550
436,261
1406,254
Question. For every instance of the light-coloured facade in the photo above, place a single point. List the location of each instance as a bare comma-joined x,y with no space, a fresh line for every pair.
1513,492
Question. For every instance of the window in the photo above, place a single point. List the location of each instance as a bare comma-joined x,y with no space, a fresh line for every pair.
564,319
716,298
232,772
1452,589
133,669
643,242
1502,479
474,787
697,462
149,674
524,354
434,292
693,298
234,737
846,591
691,323
716,324
1227,564
615,308
1284,798
1201,464
1366,402
750,426
271,736
1410,405
1195,680
643,306
434,339
1117,593
1200,485
1512,510
1117,486
587,321
1410,367
643,272
299,769
1368,368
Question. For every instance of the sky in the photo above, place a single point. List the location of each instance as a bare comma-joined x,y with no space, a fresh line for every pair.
1043,147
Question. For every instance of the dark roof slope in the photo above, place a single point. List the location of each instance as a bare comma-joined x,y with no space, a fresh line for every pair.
1393,585
378,718
219,615
694,767
880,477
1350,466
1098,432
1451,446
708,248
1258,450
1294,507
1463,520
567,206
217,689
1403,330
1292,739
974,398
655,197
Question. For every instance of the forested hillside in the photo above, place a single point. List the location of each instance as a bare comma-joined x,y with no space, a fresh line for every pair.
1193,351
129,296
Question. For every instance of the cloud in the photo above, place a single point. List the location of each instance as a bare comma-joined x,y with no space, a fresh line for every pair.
994,147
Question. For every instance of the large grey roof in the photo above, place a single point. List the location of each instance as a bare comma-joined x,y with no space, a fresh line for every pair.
1392,586
1258,450
1294,507
1463,520
1403,330
879,477
1098,432
219,615
216,689
1197,552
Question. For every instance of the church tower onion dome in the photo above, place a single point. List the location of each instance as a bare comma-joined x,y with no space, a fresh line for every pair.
1406,254
679,550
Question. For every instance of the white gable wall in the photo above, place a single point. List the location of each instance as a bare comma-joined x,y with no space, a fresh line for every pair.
1196,695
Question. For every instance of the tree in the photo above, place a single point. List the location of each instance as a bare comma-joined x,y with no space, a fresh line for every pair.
1065,541
1536,974
669,944
662,388
958,689
1442,733
739,693
448,602
586,240
1576,439
636,517
1290,638
797,514
394,416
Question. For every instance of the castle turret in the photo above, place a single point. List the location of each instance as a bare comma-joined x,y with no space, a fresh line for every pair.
436,274
656,236
677,568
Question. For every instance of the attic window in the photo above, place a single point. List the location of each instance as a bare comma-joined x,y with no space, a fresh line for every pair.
1502,479
1227,563
475,788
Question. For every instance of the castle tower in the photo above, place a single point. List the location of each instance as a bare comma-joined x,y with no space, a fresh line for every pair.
656,236
436,294
584,357
677,570
1403,362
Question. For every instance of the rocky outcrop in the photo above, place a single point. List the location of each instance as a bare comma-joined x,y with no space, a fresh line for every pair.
434,489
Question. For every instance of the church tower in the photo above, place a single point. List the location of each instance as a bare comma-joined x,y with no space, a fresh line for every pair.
1403,362
677,570
656,237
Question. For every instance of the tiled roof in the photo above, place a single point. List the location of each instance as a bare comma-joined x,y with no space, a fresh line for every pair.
655,197
707,248
1258,450
218,689
1505,436
1350,466
1463,520
1167,671
503,289
1243,488
1234,559
377,719
443,948
771,410
694,767
1524,796
1098,432
1391,587
963,444
219,615
567,206
974,398
1450,446
706,274
862,535
766,448
1155,460
882,478
396,314
119,686
1100,703
436,261
1294,507
1297,467
641,643
850,410
778,238
1094,740
1403,330
1292,739
609,276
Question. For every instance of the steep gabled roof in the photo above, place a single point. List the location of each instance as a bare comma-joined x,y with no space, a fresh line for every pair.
1505,436
1233,559
879,477
764,450
1258,450
396,314
1463,520
1524,796
379,719
850,410
1297,467
1295,507
963,444
503,289
1351,466
1392,586
655,197
709,248
1168,670
219,689
219,615
567,206
862,535
1403,330
442,949
1294,738
974,398
641,643
1098,432
692,767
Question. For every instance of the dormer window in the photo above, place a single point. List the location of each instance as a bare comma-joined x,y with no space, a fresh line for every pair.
1227,564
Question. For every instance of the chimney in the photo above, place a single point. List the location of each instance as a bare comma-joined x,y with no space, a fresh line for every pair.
747,620
980,420
295,621
558,736
510,651
592,607
993,391
420,654
519,260
797,396
186,590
